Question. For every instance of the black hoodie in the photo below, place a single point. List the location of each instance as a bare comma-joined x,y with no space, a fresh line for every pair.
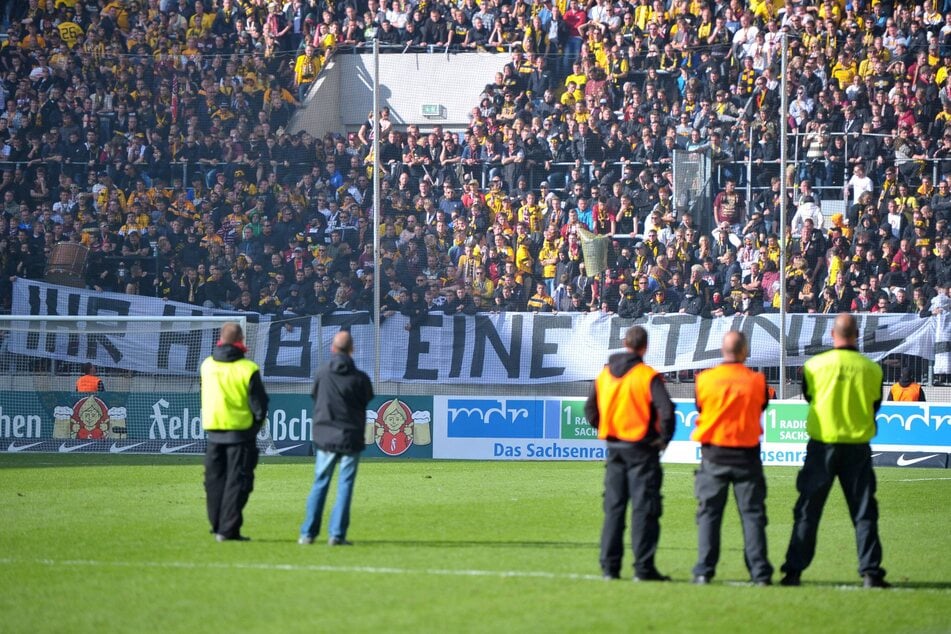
341,394
662,408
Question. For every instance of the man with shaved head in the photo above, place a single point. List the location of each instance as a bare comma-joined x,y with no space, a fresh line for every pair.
632,411
233,408
730,401
341,394
844,391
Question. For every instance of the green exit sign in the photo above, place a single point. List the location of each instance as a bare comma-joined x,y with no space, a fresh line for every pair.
431,110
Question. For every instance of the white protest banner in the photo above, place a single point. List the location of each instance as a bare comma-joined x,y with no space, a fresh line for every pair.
522,348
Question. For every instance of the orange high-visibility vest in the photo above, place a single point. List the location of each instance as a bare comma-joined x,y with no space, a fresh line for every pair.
87,383
731,399
624,403
910,393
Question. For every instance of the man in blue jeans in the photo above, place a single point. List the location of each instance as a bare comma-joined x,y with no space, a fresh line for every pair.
341,393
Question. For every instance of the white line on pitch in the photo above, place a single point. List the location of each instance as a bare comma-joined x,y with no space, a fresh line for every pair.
920,479
303,568
373,570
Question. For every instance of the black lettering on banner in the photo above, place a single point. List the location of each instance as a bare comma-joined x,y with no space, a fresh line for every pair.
541,324
794,335
458,346
106,307
416,348
867,339
511,359
334,321
295,344
761,322
52,301
942,344
193,339
33,299
53,338
873,334
821,324
675,322
344,321
702,351
619,328
72,308
255,318
33,338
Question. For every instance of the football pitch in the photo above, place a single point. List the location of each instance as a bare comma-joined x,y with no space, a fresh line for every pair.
121,544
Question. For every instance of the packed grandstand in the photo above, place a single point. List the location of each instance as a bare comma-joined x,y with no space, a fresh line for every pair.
155,133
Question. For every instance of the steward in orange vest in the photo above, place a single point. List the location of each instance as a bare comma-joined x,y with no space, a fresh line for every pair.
632,411
89,382
906,389
730,401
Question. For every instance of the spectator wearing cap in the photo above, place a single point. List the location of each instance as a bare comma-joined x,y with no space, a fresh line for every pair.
165,285
660,303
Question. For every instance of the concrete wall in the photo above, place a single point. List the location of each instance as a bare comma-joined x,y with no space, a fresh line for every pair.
321,112
343,96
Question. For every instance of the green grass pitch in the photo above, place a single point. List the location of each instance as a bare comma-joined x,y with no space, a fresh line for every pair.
121,544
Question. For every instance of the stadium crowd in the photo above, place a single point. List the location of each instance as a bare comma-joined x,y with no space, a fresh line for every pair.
156,130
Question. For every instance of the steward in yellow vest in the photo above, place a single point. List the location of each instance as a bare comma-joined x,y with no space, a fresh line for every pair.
844,391
233,408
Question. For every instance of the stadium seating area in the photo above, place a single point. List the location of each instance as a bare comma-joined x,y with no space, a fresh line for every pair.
153,132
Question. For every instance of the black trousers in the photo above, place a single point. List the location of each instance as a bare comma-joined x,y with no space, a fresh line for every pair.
229,480
852,464
712,487
631,473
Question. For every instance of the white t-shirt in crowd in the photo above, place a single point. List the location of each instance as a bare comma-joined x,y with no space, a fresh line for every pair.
859,186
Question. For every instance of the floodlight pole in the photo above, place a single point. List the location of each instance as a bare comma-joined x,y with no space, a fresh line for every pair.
377,261
783,157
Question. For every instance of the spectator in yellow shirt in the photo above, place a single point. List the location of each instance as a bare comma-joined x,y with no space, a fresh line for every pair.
306,68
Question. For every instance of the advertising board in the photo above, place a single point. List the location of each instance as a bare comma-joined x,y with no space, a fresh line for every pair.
552,428
144,422
443,427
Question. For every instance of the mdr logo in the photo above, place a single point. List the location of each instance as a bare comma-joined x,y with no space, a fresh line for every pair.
494,418
919,425
484,428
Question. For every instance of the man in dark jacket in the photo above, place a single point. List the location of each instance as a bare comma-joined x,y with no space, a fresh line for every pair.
234,406
632,411
341,394
434,29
